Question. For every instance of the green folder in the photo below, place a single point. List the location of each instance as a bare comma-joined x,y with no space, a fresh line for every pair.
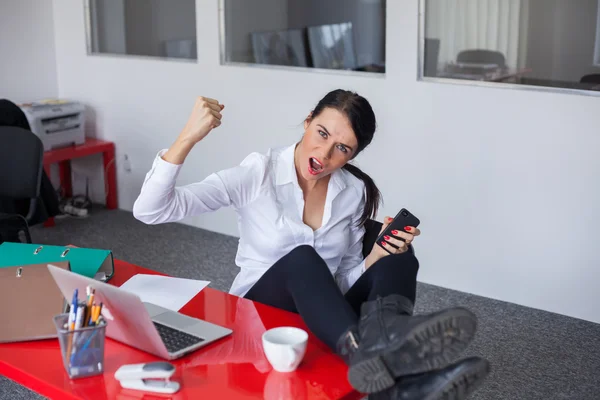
83,261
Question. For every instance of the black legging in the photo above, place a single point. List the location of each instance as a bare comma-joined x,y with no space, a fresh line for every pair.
301,282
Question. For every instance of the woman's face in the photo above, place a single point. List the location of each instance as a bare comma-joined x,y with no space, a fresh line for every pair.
328,143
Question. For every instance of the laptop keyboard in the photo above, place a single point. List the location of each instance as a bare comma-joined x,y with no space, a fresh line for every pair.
174,339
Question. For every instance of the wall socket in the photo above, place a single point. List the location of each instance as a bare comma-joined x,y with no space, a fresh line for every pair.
126,163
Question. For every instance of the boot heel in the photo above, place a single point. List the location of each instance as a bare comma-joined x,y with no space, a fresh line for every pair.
370,376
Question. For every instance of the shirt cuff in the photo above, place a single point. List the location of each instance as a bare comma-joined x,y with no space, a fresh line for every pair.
355,273
361,267
163,171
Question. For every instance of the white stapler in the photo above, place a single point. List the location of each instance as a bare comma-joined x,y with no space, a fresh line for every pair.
150,377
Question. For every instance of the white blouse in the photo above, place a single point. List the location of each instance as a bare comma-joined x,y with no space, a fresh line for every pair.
265,193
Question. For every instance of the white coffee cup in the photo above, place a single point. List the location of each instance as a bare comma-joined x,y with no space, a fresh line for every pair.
285,347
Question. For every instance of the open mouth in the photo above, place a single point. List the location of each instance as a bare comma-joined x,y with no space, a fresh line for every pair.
314,166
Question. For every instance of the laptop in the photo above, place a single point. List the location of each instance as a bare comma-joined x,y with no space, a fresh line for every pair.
145,326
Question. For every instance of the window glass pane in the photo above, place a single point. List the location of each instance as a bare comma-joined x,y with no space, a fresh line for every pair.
551,43
331,34
158,28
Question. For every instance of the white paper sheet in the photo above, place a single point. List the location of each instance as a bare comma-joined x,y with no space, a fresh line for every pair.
164,291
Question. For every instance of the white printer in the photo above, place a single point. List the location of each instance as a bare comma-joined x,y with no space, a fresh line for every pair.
58,123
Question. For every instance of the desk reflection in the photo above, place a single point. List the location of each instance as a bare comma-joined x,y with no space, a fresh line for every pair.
244,346
240,361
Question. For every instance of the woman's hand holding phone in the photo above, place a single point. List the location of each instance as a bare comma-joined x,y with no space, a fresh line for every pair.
399,239
206,116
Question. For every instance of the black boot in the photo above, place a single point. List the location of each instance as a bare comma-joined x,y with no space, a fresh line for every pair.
392,343
455,382
347,344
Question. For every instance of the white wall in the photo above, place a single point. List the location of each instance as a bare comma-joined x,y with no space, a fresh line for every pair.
505,181
27,56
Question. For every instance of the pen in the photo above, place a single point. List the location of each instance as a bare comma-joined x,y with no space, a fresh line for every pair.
78,325
73,311
79,317
92,336
90,318
71,326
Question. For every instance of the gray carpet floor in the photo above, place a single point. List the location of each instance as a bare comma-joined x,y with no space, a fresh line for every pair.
534,354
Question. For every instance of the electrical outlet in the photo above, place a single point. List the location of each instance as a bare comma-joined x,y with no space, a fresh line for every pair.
126,163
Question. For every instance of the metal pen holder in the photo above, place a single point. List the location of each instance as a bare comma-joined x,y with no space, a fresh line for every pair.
82,349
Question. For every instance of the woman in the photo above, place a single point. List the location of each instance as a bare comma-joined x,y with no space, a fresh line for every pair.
302,211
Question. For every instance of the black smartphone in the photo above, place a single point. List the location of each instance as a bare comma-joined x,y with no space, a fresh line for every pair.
402,219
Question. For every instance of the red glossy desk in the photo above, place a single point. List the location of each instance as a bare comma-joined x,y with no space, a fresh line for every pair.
232,368
63,157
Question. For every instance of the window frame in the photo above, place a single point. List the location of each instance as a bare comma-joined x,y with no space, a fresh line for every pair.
497,85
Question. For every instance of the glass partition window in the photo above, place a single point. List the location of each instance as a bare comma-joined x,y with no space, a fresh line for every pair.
544,43
155,28
326,34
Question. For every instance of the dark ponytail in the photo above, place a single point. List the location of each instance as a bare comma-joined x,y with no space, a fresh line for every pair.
372,192
362,119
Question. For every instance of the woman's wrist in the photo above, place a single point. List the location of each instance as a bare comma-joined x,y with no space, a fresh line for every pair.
370,260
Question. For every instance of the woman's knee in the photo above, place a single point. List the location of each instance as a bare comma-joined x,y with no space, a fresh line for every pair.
406,262
303,251
307,256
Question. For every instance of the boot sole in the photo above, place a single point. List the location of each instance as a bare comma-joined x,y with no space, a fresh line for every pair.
464,384
431,345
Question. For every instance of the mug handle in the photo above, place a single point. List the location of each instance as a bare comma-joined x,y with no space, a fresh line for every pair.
291,356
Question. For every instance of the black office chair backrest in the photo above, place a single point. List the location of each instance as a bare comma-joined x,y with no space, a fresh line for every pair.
479,56
372,229
591,78
21,163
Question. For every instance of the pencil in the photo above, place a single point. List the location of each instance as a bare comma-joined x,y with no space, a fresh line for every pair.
91,298
92,317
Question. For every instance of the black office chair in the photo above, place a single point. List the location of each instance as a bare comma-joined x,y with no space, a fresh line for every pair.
591,78
21,167
48,202
372,229
479,56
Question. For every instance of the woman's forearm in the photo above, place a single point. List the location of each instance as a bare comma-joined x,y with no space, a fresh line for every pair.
178,151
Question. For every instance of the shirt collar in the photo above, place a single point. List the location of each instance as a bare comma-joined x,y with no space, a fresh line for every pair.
286,171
